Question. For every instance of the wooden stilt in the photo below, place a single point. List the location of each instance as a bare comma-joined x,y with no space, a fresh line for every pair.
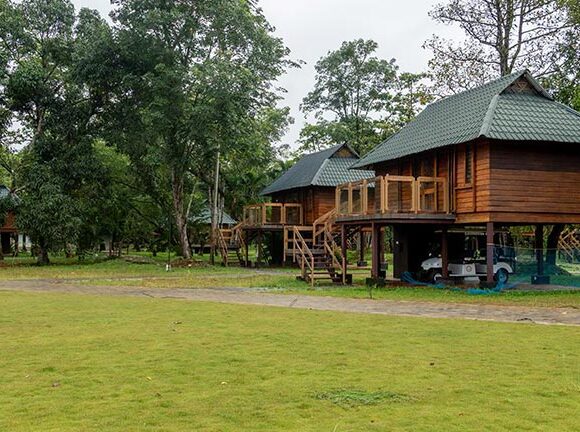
361,248
376,251
246,250
259,258
343,251
444,253
489,251
539,240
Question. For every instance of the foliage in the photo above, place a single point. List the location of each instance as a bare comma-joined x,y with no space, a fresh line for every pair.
500,37
358,99
195,79
53,56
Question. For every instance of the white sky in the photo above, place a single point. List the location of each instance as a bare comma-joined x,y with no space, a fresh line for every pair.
311,28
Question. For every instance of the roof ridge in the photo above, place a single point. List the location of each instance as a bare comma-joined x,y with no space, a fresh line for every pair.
489,115
320,168
515,75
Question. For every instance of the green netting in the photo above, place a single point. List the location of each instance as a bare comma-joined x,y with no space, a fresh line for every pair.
560,270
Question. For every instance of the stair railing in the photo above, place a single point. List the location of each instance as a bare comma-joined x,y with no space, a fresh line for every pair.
305,255
222,245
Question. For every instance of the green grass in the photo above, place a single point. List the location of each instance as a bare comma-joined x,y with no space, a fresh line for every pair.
71,268
84,363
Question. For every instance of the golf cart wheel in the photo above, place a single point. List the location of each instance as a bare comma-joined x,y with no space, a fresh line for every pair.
435,276
501,276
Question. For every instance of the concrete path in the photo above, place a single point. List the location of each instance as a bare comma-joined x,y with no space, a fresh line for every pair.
248,296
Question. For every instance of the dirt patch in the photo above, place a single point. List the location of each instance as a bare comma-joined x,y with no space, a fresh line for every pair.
234,295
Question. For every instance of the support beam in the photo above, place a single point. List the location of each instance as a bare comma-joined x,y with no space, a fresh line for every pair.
489,252
246,250
343,252
444,253
361,249
376,251
259,258
539,245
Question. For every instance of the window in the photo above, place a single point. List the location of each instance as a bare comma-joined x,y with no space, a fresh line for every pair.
468,163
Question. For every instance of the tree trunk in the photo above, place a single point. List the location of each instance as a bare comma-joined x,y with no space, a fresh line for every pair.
180,217
42,257
552,244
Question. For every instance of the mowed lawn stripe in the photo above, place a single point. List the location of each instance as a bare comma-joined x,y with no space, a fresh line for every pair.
72,362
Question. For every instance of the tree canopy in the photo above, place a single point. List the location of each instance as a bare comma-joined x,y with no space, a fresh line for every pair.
358,98
500,37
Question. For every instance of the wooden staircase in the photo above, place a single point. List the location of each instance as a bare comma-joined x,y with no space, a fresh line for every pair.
318,258
569,244
230,243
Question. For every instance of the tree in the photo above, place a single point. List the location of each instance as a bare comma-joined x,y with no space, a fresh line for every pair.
351,86
192,76
52,56
500,37
358,99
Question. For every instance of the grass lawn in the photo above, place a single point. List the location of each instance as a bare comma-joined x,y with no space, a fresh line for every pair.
72,363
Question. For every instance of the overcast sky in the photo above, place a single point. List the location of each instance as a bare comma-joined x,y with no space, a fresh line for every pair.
310,28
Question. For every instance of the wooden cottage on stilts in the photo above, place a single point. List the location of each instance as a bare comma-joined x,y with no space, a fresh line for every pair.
500,155
297,224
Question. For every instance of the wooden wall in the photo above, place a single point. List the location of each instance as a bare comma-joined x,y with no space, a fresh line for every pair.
539,181
511,182
316,201
518,182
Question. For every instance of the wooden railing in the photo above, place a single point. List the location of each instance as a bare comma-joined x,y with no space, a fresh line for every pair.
273,214
226,238
393,194
323,223
305,256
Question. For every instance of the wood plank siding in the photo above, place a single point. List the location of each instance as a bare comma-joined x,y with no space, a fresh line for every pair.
499,181
315,201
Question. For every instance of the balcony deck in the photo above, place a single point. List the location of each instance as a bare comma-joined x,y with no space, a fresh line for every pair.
394,199
273,216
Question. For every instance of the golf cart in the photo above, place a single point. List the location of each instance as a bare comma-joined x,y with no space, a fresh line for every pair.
467,258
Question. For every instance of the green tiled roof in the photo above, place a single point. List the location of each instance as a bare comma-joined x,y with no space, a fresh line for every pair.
204,217
319,169
492,111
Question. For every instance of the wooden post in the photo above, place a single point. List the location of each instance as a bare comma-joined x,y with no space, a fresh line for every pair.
489,251
285,248
361,248
246,250
343,251
376,251
349,206
540,249
385,194
381,251
259,258
444,253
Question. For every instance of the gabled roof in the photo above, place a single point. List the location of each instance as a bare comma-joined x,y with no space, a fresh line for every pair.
514,107
328,167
